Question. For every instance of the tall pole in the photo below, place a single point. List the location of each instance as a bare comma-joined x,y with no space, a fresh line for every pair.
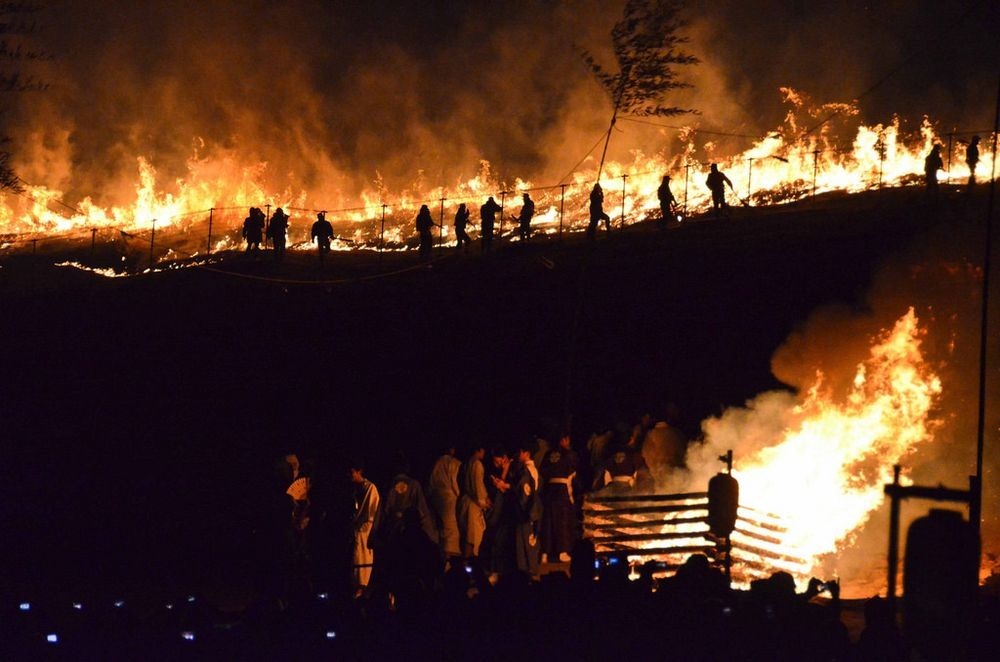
441,226
152,239
881,157
815,169
503,200
687,171
624,177
893,543
950,136
562,206
211,212
381,235
984,329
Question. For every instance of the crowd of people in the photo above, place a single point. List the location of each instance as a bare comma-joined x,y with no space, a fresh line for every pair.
257,227
502,510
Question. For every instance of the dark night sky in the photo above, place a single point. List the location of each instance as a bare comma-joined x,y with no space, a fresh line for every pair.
337,91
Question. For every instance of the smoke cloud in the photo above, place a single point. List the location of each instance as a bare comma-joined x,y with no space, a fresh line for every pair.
333,97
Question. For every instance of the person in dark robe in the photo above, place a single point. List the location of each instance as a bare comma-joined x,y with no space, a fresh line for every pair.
524,220
322,233
462,240
971,159
716,183
425,223
558,472
487,215
276,232
528,511
667,202
253,229
597,211
932,163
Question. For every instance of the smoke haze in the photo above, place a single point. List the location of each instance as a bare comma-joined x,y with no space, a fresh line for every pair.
332,96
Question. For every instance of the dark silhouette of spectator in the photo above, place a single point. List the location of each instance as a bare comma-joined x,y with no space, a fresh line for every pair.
558,472
524,220
253,229
880,640
716,183
487,214
667,202
597,211
322,233
462,240
932,164
274,540
276,231
424,224
972,159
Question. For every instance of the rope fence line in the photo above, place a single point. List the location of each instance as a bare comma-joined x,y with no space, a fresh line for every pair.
227,229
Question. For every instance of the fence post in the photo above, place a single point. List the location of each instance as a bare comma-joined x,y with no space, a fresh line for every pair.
93,241
881,158
749,176
687,172
815,169
950,136
152,243
503,200
562,206
211,213
268,207
152,239
381,235
624,177
441,227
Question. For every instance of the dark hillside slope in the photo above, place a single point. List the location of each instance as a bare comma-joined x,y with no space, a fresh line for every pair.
142,416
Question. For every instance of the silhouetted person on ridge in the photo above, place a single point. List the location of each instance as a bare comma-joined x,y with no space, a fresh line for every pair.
597,210
322,233
932,164
424,225
524,220
972,158
716,183
488,214
462,240
253,229
276,232
667,202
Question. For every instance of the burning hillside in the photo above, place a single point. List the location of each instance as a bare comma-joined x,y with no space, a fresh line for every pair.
785,165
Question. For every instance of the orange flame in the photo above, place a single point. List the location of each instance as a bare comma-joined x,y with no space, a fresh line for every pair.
785,164
824,476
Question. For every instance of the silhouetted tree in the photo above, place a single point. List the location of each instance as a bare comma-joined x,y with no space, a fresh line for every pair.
648,47
17,24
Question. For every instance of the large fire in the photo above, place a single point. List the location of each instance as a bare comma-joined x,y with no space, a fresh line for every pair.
825,475
802,157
